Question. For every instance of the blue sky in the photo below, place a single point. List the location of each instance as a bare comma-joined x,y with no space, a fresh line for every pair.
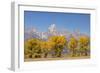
69,21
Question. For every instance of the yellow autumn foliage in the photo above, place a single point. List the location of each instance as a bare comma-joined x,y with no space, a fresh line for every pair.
38,48
72,43
84,41
59,40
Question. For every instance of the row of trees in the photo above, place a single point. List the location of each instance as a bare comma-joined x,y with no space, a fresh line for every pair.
37,48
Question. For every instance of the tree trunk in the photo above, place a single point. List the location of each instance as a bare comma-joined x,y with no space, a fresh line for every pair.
45,55
73,52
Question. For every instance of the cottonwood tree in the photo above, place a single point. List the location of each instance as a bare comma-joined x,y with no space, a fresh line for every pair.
33,46
84,44
72,45
60,42
46,47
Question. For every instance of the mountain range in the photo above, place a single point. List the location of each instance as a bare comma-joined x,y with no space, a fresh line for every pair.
52,31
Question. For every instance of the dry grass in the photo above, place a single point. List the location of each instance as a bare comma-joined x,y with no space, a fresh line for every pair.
59,58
